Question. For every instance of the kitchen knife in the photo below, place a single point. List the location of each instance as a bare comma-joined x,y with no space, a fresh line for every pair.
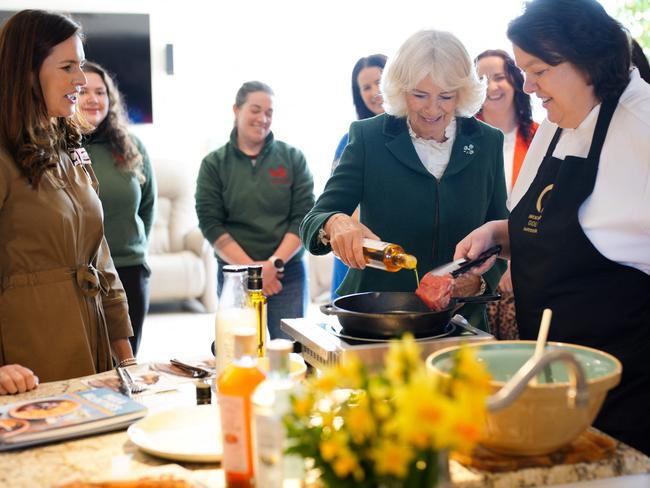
195,371
462,265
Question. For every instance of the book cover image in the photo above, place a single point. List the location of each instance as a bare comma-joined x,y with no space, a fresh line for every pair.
65,416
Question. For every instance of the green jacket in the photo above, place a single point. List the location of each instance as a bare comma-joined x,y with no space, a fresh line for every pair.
403,203
256,204
129,206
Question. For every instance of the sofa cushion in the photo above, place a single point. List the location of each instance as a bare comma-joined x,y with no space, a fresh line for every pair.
175,216
181,271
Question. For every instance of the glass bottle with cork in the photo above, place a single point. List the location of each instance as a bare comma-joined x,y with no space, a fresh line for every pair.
235,386
271,402
257,301
233,311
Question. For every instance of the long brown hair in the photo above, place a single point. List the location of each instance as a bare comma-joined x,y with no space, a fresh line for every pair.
523,109
30,136
114,127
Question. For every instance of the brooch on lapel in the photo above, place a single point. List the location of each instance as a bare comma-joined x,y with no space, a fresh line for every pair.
469,149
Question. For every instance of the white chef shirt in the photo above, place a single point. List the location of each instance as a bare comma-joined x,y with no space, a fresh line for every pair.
433,154
616,216
509,139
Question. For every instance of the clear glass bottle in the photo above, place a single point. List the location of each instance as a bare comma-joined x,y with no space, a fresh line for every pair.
257,301
232,311
235,386
387,256
271,402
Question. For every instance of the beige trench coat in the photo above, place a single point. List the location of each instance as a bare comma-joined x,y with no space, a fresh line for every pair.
61,301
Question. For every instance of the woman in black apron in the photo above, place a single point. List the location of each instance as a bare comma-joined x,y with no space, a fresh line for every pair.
596,302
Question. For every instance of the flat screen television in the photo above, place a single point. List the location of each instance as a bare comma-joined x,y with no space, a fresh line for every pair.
121,44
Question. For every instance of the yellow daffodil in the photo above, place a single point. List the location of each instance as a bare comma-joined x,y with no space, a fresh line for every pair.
392,459
370,427
360,422
345,463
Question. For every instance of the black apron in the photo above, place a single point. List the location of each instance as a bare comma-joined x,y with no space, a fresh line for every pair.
596,302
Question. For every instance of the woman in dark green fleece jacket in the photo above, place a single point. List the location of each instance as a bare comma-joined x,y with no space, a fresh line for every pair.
251,195
127,189
423,173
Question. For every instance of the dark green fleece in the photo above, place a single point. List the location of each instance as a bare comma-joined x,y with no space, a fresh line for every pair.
129,206
257,204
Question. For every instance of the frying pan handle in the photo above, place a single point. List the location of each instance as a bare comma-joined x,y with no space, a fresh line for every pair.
327,309
330,309
486,297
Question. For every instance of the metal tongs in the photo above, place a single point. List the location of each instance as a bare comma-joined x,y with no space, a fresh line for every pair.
127,386
195,371
462,265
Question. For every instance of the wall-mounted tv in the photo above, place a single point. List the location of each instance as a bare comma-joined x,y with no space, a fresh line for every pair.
120,43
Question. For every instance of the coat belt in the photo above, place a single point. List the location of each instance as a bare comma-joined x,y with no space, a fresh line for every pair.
89,279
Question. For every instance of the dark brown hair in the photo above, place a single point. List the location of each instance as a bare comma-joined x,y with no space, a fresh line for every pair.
579,32
376,61
523,109
30,136
114,127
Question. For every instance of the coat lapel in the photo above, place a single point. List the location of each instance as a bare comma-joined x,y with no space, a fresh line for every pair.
466,146
400,145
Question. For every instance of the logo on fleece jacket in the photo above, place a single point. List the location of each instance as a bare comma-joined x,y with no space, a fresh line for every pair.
279,175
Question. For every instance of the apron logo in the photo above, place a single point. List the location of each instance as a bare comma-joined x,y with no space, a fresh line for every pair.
534,219
540,199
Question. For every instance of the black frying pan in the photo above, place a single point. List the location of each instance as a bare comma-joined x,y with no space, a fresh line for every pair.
390,314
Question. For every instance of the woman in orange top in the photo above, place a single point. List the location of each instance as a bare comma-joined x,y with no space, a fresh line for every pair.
506,107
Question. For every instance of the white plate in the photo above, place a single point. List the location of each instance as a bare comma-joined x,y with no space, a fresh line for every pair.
182,434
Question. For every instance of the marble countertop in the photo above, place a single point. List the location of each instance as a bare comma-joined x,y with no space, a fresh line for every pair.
114,456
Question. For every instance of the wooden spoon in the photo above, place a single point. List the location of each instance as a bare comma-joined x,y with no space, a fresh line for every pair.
542,335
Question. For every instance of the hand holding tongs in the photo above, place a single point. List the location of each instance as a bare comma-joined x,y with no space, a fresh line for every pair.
195,371
462,265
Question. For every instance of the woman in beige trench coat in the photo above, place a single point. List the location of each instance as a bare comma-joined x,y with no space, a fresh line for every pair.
63,310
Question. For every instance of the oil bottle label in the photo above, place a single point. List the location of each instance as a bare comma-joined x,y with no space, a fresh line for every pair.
234,434
270,439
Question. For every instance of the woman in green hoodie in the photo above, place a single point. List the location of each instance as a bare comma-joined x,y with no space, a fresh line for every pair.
128,189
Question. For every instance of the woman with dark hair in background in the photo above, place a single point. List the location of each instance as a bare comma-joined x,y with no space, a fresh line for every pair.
62,304
640,60
128,190
368,102
251,195
579,229
506,107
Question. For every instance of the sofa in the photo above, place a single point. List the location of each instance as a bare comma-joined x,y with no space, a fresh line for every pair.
183,266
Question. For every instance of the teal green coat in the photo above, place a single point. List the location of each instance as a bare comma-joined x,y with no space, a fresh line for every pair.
403,203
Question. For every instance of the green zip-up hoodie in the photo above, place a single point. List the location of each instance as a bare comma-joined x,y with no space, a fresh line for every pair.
257,204
129,207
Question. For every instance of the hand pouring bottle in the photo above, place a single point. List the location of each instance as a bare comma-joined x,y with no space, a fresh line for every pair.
387,256
235,386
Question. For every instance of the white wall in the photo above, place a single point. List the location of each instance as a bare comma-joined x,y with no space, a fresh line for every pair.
303,49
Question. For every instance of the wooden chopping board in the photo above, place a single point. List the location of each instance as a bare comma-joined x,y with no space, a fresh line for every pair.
589,447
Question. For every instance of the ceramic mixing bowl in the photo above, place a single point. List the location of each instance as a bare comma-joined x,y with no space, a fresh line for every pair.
540,420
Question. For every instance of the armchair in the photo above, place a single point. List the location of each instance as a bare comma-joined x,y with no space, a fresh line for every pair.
182,262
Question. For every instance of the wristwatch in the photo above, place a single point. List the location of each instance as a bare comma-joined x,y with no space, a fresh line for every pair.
277,263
